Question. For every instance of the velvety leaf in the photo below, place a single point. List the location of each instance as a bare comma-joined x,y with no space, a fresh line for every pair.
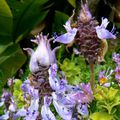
27,14
72,2
59,20
6,20
11,59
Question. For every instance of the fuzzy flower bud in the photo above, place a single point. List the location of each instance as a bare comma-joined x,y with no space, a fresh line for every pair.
43,55
85,15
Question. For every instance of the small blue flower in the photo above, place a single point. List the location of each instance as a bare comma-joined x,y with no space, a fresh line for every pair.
31,113
5,116
83,109
45,110
102,32
65,111
69,36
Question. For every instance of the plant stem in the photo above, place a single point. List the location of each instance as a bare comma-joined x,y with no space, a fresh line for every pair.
92,77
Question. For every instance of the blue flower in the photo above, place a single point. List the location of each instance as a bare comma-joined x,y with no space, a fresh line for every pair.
65,111
30,113
69,36
5,116
45,110
103,33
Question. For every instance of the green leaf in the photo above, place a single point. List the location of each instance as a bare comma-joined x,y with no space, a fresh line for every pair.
59,20
72,2
101,116
6,22
18,94
27,14
11,59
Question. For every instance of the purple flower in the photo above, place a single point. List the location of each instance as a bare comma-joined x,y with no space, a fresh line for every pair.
104,77
117,74
116,58
69,36
65,111
102,32
5,116
55,83
28,89
87,95
45,110
30,113
83,109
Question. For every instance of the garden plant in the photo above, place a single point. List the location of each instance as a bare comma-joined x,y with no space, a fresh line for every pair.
55,66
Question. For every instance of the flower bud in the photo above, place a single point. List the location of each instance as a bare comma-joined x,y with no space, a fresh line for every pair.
43,55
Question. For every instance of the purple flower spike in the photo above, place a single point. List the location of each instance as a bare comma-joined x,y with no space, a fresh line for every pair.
45,110
102,32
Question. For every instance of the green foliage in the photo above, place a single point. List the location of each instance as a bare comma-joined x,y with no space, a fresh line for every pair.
101,116
31,12
73,69
11,60
18,94
59,20
72,2
107,99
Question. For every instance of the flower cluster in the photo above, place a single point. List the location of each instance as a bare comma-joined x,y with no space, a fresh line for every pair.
87,35
46,89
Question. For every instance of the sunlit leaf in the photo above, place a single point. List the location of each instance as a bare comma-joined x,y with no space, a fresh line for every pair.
6,22
101,116
72,2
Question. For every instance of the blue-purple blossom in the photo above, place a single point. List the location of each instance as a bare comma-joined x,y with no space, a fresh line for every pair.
83,109
28,89
65,111
5,116
117,74
30,113
55,83
69,36
116,58
103,33
46,113
104,77
87,95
